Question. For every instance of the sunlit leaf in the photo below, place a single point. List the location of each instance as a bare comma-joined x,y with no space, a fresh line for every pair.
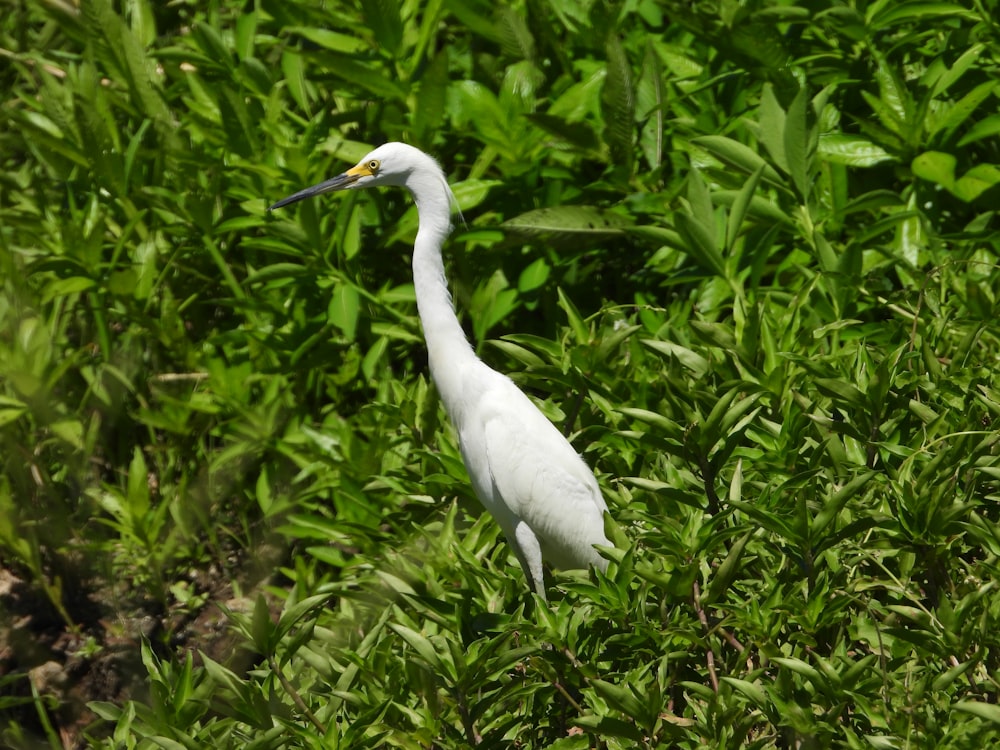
851,150
567,220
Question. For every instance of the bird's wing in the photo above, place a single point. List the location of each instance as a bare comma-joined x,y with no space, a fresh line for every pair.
538,477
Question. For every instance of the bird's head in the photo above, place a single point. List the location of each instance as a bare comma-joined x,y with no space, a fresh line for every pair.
390,164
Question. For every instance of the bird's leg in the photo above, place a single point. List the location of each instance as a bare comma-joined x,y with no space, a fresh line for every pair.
529,553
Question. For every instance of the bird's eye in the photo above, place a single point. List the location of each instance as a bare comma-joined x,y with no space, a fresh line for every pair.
373,165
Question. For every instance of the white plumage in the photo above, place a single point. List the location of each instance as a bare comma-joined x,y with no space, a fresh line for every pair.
523,470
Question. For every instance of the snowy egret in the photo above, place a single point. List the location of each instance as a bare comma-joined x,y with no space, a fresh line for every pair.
523,470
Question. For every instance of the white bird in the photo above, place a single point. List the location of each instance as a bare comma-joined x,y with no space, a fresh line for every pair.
523,470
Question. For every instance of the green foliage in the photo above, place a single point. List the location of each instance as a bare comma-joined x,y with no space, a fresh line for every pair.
744,254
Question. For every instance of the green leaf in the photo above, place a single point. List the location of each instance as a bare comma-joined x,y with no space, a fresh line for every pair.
618,98
833,505
479,23
738,155
70,431
650,105
344,309
690,359
606,726
471,193
348,44
728,411
723,577
611,341
651,418
843,391
430,102
383,19
212,45
534,276
946,678
519,90
8,415
619,697
262,627
988,711
421,645
293,70
490,123
939,168
851,150
700,236
581,331
752,691
225,677
138,485
758,208
961,110
772,127
977,181
738,211
246,33
889,14
567,221
910,239
278,272
987,127
367,77
800,667
894,103
797,142
715,334
552,350
64,287
580,135
515,35
518,353
701,209
965,62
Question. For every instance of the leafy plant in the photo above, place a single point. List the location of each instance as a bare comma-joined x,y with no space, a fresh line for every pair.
743,254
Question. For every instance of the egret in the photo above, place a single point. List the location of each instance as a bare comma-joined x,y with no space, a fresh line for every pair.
523,470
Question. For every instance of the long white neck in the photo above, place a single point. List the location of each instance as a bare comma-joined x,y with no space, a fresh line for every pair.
448,350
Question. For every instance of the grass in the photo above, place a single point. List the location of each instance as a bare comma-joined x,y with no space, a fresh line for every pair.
745,255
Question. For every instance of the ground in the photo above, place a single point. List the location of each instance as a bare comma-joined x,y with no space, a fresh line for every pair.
98,657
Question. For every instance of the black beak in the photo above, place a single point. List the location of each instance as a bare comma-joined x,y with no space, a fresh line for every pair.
339,182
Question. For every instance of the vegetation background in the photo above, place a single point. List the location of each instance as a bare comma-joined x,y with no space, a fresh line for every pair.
744,253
